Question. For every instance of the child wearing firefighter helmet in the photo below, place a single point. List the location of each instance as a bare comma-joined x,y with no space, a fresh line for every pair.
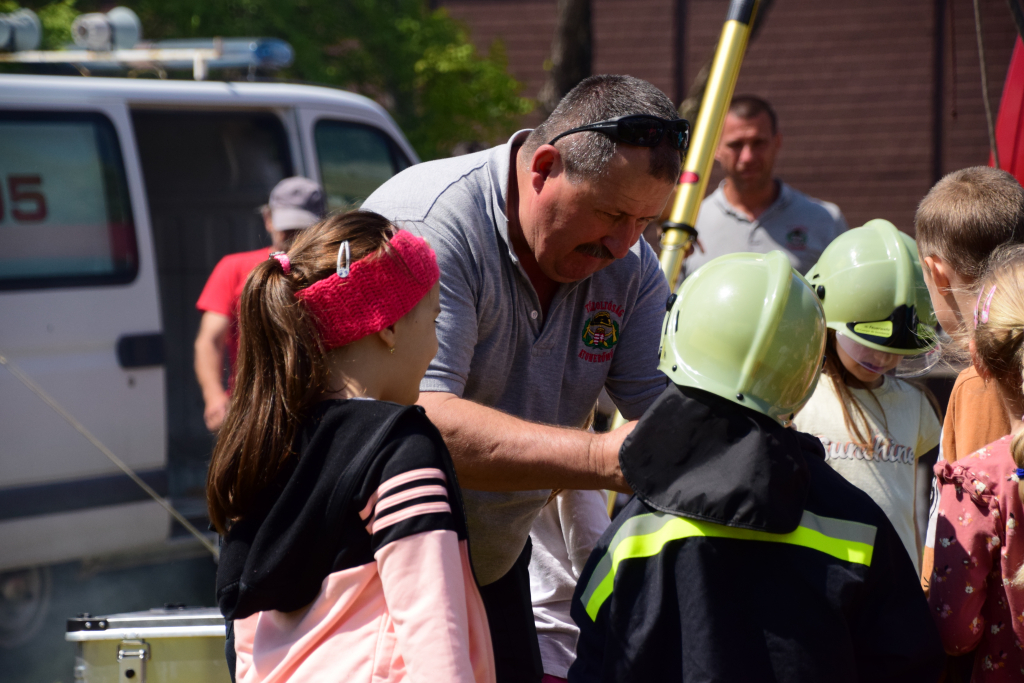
875,424
743,556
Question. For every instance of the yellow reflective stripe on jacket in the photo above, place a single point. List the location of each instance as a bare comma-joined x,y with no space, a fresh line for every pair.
646,535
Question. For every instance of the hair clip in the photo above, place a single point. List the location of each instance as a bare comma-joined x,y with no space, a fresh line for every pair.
344,248
1020,473
988,303
977,304
282,258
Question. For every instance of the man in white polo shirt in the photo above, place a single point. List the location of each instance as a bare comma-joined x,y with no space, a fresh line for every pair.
752,210
548,295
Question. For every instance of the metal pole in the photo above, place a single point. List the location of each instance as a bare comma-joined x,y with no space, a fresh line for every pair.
725,68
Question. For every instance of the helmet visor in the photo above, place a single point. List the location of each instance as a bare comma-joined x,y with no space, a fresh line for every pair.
892,364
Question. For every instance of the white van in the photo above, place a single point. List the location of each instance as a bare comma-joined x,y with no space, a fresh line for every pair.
117,198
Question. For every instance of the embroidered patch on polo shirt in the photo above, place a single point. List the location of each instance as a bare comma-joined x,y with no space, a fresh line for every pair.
796,239
600,331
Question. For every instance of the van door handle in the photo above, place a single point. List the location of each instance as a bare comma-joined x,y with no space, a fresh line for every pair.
140,350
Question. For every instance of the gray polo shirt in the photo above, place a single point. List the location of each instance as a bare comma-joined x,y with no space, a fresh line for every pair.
796,224
497,348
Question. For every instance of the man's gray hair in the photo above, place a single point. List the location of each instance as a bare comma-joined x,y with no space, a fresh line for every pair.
599,98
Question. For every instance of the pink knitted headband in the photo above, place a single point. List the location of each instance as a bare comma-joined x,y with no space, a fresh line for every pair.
366,296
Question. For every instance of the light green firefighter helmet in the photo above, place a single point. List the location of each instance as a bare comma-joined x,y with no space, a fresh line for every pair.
870,284
748,328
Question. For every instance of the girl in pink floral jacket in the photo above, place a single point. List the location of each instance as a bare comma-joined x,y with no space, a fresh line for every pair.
977,586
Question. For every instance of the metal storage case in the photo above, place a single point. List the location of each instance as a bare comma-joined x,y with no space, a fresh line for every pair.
166,645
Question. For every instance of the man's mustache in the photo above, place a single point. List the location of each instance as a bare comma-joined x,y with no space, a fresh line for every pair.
596,250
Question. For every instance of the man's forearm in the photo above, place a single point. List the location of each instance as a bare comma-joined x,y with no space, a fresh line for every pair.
494,451
209,364
209,349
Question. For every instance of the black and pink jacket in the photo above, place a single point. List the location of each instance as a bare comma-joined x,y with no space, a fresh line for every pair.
358,570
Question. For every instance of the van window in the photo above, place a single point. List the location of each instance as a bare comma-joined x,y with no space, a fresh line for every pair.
65,213
355,160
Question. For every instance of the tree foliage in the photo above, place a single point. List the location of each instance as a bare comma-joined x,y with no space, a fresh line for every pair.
418,63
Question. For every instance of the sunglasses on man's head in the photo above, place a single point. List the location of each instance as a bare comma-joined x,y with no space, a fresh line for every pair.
641,130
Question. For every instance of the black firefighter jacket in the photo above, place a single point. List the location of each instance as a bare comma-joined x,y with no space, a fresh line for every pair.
744,557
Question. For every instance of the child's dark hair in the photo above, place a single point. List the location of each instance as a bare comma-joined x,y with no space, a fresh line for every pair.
281,371
966,215
854,417
999,337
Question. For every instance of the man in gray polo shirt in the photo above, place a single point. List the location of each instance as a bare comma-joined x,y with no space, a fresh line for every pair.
752,210
548,295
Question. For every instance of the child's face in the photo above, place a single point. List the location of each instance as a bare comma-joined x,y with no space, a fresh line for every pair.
869,365
415,347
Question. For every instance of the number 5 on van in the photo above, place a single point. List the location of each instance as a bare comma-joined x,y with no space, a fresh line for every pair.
22,190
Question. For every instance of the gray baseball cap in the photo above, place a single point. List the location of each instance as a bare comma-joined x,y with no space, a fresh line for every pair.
296,203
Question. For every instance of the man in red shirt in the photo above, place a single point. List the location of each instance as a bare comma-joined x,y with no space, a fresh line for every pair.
295,203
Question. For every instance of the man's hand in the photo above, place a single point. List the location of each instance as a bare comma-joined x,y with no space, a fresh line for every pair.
216,411
604,457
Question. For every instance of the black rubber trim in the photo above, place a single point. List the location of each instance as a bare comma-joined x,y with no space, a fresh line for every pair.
140,350
87,624
741,11
689,229
78,494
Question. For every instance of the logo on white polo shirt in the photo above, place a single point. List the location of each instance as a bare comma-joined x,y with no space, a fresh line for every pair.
600,331
796,239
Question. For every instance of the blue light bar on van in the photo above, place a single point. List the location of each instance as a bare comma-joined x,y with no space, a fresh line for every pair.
235,53
200,55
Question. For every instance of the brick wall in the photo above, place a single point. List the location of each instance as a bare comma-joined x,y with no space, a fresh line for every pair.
854,83
526,27
852,87
965,138
635,37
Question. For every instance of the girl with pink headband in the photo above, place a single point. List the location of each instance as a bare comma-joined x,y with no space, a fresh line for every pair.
977,585
344,554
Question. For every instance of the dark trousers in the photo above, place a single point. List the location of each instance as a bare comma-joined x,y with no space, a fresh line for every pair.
510,616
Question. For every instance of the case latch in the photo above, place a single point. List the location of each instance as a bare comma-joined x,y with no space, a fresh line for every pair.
131,661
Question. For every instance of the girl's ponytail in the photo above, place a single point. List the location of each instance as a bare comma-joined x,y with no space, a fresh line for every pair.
281,370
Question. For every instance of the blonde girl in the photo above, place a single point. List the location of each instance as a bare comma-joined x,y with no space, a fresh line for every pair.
977,587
